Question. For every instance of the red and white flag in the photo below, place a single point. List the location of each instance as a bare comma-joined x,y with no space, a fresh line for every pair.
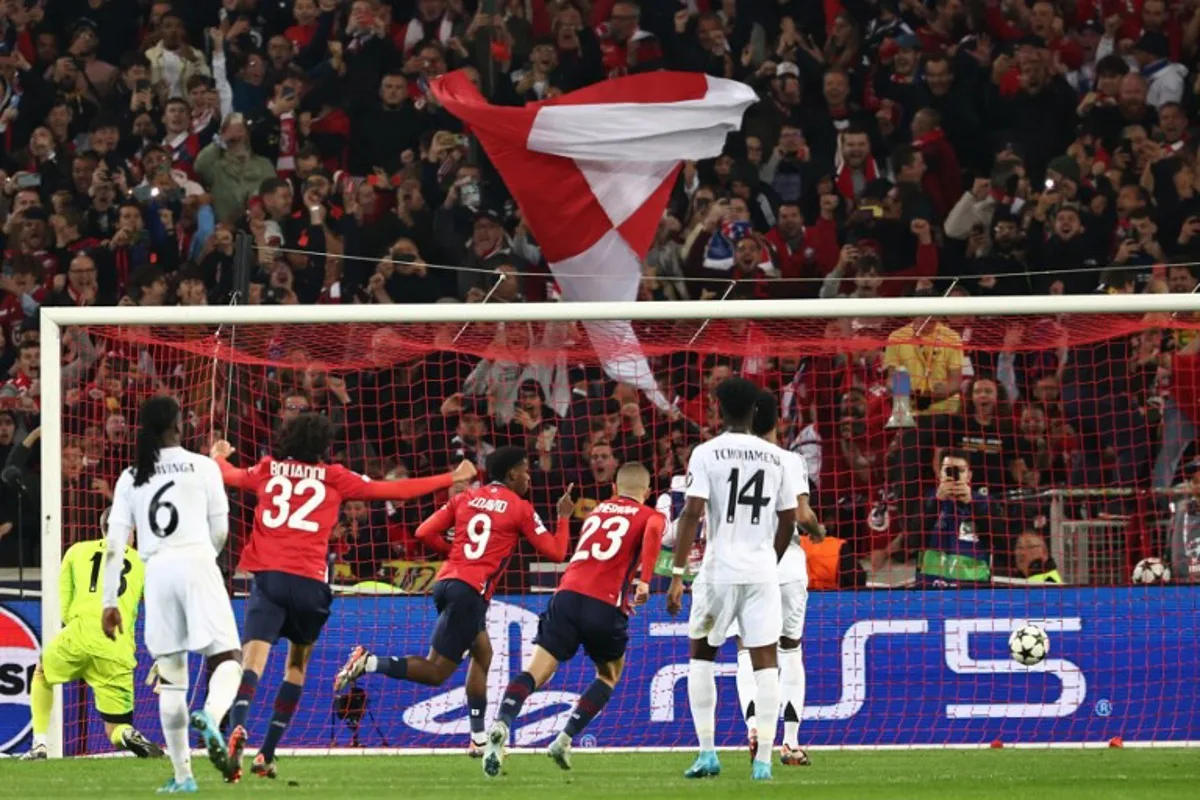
592,171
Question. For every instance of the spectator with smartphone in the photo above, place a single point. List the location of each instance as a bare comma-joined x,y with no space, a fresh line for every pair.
998,257
133,93
1140,247
275,132
956,551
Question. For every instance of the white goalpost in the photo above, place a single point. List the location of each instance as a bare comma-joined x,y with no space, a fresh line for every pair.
54,321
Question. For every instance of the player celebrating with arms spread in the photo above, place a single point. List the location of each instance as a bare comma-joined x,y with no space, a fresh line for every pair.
591,608
299,496
80,650
176,502
488,522
793,589
739,483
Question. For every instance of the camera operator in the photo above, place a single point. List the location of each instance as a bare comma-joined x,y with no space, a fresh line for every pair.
954,553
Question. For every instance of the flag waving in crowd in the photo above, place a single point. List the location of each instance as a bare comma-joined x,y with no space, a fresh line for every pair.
592,171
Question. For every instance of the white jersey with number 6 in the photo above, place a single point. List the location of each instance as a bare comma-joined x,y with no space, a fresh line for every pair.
174,508
181,516
745,482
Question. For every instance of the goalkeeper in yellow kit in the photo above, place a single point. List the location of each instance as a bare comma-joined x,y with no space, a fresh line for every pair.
81,651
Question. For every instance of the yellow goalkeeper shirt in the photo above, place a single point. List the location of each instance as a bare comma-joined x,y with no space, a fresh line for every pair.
81,594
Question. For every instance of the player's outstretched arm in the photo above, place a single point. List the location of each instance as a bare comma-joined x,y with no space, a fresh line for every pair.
431,532
218,507
652,538
410,488
231,475
552,547
120,525
806,518
66,580
652,541
685,533
783,533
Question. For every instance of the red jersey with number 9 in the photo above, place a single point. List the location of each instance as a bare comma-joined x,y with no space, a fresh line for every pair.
610,542
298,507
489,522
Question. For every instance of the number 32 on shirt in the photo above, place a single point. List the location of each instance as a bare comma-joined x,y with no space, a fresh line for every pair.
284,494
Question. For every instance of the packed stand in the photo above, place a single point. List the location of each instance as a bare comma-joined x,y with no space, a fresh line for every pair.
900,147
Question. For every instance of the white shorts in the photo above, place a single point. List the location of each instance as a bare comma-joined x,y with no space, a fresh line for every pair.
755,608
795,606
187,608
794,602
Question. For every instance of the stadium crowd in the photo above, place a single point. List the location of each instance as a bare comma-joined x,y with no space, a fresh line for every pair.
900,147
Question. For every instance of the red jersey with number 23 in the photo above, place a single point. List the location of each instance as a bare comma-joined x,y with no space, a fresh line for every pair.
298,507
489,522
610,542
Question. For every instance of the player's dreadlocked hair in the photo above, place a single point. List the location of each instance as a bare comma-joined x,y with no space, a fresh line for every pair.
766,414
501,462
306,438
736,397
158,416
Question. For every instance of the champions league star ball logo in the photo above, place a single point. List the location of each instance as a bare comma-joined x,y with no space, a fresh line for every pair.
18,658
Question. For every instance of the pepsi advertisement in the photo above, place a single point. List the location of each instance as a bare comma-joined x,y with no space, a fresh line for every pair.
883,668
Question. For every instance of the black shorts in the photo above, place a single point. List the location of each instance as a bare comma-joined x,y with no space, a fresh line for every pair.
286,606
462,614
574,619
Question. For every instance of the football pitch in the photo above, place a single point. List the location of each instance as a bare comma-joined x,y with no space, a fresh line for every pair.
922,774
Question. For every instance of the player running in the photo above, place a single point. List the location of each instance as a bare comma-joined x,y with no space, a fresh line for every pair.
80,651
299,497
741,486
793,589
591,608
488,523
176,502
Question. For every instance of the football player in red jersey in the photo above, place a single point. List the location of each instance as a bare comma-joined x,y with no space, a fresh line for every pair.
488,525
590,609
299,497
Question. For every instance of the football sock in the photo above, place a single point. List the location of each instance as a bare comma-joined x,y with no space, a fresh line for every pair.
41,702
385,665
702,699
514,697
223,685
173,713
791,693
766,684
476,708
590,703
117,737
245,696
286,700
745,688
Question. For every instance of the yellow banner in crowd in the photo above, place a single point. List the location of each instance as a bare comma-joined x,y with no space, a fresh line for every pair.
408,577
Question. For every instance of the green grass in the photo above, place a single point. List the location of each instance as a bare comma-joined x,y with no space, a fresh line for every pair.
924,775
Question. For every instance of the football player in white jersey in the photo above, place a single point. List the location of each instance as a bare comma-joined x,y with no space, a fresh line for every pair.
740,485
793,589
176,501
670,504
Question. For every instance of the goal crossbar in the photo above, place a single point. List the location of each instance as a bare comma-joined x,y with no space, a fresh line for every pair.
599,312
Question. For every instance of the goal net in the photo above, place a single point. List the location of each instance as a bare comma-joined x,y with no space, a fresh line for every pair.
1077,431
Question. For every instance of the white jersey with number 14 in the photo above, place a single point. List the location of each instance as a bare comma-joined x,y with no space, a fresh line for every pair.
745,482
